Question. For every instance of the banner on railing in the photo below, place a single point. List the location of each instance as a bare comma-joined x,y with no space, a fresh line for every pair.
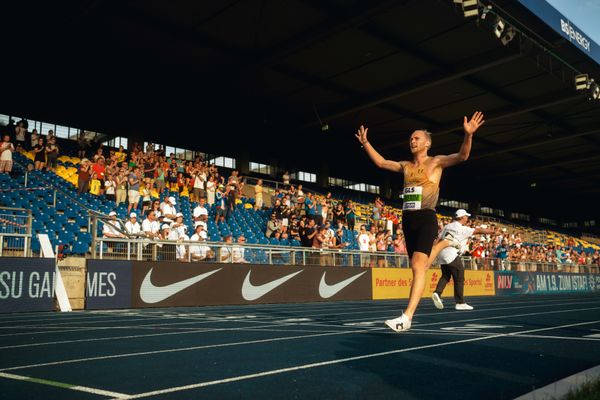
391,283
519,282
108,284
166,284
26,284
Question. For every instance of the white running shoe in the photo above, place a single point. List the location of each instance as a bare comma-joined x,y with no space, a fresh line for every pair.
463,307
453,242
437,301
400,324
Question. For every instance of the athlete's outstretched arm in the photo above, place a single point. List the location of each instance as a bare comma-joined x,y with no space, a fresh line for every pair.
470,128
361,135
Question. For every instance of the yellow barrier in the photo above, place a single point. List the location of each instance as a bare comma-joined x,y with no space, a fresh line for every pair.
389,283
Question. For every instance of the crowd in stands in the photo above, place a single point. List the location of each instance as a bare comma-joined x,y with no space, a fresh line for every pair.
139,177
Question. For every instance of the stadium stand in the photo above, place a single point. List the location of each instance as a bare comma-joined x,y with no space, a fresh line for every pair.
59,211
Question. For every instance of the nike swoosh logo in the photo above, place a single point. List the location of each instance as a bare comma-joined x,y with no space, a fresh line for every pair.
326,291
251,292
151,294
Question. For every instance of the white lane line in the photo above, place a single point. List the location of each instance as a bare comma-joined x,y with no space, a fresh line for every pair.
325,306
583,339
141,326
481,310
85,316
63,385
418,325
395,307
266,326
340,361
269,340
180,349
75,318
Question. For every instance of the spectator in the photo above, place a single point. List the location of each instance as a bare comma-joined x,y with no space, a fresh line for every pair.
381,241
156,209
200,251
199,183
6,150
134,189
168,251
179,226
286,180
52,153
238,251
225,253
339,215
145,194
222,205
310,207
168,208
320,242
82,145
258,195
20,131
99,169
307,232
121,188
502,255
132,226
200,212
364,244
272,226
34,139
110,188
112,228
210,190
121,155
159,182
350,216
83,179
39,155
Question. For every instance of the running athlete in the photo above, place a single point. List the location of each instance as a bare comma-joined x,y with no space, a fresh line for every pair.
422,178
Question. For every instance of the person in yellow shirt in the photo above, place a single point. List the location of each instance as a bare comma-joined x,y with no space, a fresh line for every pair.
121,155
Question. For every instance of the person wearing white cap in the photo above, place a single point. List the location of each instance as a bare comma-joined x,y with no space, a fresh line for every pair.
132,226
199,212
200,251
178,225
451,262
113,227
168,208
422,175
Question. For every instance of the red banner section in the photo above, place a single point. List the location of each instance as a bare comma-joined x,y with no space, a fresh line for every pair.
176,284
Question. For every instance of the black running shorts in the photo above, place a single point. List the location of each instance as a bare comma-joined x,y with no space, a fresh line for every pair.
420,230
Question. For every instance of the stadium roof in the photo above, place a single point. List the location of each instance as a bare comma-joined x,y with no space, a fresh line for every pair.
258,76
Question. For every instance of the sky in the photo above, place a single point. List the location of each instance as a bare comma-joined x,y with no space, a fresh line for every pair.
583,13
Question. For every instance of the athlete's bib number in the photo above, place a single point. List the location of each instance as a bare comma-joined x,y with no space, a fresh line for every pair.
413,195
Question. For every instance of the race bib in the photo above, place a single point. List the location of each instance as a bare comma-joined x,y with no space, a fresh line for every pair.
413,195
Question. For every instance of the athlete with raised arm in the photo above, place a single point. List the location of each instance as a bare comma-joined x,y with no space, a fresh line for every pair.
422,178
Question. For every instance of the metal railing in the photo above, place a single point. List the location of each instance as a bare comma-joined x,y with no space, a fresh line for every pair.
15,232
497,264
144,249
188,251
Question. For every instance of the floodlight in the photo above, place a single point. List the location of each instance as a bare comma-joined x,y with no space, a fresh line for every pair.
508,36
582,82
499,28
470,8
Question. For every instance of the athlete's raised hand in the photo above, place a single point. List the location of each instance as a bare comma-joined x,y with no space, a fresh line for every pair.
361,135
474,123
